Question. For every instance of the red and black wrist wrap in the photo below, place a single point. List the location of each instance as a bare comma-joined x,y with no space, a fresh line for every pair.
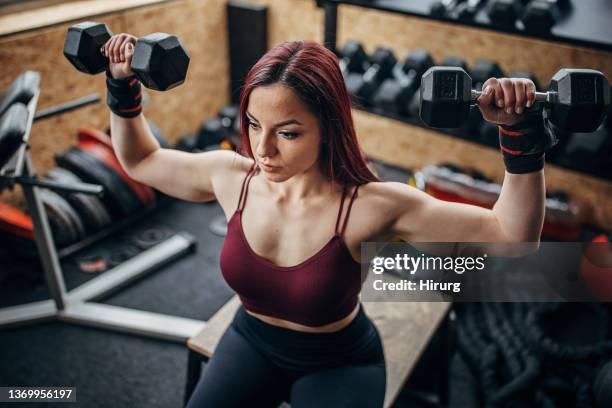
124,96
524,145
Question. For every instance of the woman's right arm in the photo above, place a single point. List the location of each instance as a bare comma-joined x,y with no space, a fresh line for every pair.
188,176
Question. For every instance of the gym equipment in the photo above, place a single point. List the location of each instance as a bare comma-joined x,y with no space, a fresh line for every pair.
482,70
395,93
382,62
467,10
77,306
66,225
539,16
90,208
13,125
160,61
98,144
577,99
21,90
504,13
353,58
415,103
119,198
444,8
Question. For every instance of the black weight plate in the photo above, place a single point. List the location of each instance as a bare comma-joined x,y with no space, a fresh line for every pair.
62,228
118,197
93,213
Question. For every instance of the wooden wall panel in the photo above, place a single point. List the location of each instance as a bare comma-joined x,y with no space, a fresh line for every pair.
293,20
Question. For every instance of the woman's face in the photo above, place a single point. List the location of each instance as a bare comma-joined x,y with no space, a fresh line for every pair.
284,135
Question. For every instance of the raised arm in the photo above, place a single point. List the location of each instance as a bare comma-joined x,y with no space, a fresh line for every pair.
518,214
188,176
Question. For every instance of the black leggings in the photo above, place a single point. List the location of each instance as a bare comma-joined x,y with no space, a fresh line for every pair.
257,364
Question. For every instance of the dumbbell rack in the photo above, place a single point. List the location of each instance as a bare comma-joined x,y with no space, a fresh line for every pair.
78,306
576,29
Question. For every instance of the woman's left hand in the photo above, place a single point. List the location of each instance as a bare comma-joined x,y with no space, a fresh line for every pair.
504,100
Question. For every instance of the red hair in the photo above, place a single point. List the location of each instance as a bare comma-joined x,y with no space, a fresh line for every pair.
312,72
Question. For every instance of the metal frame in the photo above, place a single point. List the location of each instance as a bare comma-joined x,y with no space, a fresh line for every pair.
78,306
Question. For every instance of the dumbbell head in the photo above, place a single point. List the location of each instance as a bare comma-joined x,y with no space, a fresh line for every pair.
583,97
445,96
484,69
160,61
503,13
394,94
83,44
355,55
418,61
540,15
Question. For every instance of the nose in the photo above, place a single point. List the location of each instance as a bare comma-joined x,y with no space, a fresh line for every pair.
266,147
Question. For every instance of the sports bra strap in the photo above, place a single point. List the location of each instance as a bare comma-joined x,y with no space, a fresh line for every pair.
243,190
348,211
340,209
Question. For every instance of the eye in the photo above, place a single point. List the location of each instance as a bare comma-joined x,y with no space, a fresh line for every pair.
253,125
289,135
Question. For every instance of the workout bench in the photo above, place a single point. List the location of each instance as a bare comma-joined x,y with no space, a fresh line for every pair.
406,329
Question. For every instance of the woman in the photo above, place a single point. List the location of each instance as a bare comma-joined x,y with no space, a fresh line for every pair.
298,204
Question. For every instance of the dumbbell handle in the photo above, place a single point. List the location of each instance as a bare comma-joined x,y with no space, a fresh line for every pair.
546,97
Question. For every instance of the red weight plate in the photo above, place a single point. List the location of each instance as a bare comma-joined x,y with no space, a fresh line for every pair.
145,193
16,222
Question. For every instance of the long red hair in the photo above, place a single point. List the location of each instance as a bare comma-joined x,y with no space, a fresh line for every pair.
312,72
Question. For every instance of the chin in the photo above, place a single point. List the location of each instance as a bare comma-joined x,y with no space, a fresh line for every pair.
275,177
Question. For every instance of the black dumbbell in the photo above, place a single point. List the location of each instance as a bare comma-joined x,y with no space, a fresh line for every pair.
482,70
395,93
504,13
353,58
539,16
444,8
160,61
382,62
467,10
449,61
577,99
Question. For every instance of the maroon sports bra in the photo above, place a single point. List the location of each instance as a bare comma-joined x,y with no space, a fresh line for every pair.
320,290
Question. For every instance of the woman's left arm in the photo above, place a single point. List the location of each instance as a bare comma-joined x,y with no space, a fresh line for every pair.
518,214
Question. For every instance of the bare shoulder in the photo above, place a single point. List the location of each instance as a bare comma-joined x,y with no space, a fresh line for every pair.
378,206
389,196
231,170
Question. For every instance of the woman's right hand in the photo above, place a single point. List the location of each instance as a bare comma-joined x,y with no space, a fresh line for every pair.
119,50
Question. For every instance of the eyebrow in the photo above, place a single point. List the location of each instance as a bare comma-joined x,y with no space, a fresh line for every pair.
283,123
